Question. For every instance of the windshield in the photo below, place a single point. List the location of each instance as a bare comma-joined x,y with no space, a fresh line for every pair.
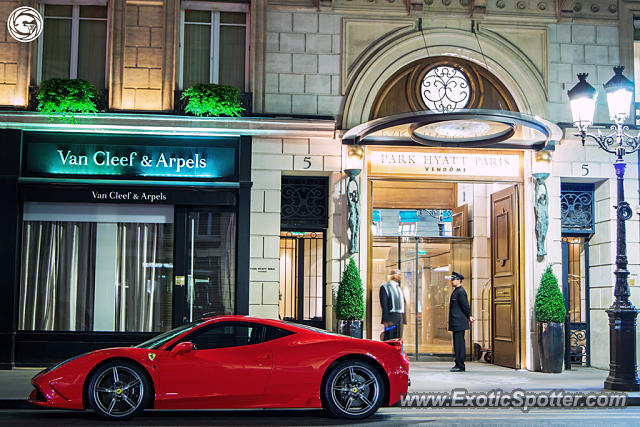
157,342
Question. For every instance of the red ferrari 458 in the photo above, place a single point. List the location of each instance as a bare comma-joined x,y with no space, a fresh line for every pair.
231,362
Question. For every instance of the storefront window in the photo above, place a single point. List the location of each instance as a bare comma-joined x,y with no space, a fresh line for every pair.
92,267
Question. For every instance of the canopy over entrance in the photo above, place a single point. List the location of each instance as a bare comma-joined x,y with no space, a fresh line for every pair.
458,129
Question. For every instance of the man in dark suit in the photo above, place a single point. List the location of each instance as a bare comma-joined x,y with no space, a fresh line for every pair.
459,319
393,306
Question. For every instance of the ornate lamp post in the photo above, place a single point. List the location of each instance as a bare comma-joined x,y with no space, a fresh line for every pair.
623,373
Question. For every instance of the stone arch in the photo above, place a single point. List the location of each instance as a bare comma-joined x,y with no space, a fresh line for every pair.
517,72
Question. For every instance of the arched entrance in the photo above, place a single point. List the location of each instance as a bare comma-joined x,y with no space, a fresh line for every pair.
444,187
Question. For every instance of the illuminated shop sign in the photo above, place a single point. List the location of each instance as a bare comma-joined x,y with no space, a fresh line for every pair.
445,164
162,157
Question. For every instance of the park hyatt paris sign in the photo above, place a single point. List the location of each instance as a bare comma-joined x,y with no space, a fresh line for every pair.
161,158
462,165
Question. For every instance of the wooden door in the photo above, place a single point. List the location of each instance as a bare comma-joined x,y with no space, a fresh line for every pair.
460,221
505,274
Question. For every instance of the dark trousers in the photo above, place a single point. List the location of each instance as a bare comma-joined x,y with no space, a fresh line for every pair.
459,348
395,330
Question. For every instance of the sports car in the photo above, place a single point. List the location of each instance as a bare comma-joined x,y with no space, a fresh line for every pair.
231,362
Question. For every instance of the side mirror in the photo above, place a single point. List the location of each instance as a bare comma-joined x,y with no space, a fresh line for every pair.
183,347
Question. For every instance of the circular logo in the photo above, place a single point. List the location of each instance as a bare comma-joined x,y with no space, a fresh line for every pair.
25,24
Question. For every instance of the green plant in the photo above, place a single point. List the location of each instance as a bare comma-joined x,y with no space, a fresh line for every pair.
350,300
212,100
67,97
549,300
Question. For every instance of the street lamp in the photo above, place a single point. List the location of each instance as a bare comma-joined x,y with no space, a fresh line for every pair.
623,373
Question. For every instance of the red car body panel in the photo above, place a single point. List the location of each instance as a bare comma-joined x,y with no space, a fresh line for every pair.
283,373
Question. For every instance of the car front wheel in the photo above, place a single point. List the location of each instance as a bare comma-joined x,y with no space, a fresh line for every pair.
118,391
353,390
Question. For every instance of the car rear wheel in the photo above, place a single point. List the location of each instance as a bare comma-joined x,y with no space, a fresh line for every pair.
353,390
118,391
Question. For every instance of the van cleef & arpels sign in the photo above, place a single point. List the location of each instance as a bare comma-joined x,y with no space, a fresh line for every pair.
51,155
460,165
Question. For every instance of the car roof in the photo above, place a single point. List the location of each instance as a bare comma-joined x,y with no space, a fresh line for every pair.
243,318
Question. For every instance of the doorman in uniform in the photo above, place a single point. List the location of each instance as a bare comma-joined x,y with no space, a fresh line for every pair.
393,306
459,319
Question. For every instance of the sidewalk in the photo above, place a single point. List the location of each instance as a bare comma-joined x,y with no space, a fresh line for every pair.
425,377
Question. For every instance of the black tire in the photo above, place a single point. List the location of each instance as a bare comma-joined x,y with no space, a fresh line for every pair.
353,390
119,390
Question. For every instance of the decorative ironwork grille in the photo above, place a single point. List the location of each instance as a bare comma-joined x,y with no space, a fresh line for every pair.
578,345
576,206
445,89
304,203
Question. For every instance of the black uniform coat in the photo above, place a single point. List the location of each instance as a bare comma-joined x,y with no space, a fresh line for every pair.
459,310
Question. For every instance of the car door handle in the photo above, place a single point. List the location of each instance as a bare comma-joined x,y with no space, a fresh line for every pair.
263,357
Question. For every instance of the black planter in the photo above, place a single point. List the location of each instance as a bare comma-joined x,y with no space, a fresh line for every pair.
551,346
352,328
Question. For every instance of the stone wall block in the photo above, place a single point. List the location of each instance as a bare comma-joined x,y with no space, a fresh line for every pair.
257,200
267,145
279,22
572,53
596,54
275,103
292,42
271,246
318,43
317,84
138,36
148,99
279,63
331,147
150,57
150,16
305,23
292,83
272,201
9,52
329,24
136,77
329,64
10,74
266,179
583,34
329,105
295,146
305,104
607,35
272,161
256,247
563,33
303,63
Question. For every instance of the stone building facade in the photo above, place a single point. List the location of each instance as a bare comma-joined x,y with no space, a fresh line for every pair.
318,68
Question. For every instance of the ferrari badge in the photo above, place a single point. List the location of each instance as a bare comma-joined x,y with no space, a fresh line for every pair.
151,356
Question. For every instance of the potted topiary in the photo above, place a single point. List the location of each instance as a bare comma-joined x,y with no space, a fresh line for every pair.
67,97
212,100
350,302
550,312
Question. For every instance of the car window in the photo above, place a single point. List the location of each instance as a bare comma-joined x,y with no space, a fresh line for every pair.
273,333
226,335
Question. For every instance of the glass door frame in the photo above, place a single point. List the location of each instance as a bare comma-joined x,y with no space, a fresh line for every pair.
183,243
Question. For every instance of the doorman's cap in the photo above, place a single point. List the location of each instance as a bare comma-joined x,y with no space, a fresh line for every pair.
455,275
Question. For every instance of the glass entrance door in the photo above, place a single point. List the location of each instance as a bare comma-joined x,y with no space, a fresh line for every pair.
207,256
424,263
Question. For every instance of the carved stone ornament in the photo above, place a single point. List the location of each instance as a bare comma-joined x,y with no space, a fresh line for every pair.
500,4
